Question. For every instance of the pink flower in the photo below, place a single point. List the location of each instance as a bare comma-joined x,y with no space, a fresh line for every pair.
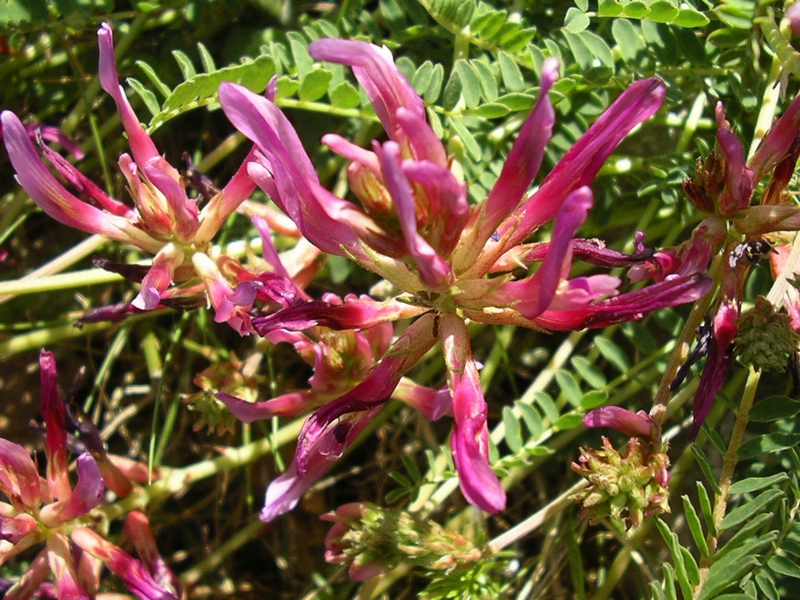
736,230
413,225
470,441
149,578
341,359
638,424
163,221
328,432
449,246
46,509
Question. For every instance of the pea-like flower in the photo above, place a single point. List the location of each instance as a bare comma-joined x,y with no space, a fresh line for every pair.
451,261
52,511
163,221
738,232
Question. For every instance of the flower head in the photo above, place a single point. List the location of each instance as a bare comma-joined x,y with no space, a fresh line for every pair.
54,511
164,220
410,222
626,486
373,540
739,233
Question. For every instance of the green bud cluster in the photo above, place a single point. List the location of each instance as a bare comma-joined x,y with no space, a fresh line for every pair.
369,537
626,487
765,337
233,377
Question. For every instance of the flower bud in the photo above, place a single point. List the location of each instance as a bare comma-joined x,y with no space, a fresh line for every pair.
374,540
765,337
626,487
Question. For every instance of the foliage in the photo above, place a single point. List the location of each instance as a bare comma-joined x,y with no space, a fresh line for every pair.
733,531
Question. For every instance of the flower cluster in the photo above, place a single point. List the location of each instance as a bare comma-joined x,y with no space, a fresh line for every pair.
765,338
736,234
163,221
626,486
373,540
52,511
451,262
629,485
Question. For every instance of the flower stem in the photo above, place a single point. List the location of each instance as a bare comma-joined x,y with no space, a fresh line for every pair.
173,481
728,467
659,410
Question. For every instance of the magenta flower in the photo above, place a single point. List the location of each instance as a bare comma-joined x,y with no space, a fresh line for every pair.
633,424
413,225
328,432
738,231
163,221
341,359
149,578
52,510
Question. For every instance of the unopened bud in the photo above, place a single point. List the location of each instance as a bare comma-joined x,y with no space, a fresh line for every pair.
626,487
765,337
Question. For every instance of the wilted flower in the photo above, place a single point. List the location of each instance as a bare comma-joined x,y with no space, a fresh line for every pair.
373,540
737,232
163,221
232,376
53,511
451,261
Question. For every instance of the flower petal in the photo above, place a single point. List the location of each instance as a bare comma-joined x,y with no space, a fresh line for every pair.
433,269
87,494
142,146
52,407
159,277
63,569
720,358
632,424
470,440
131,571
56,201
432,403
331,421
19,479
532,295
220,207
291,181
138,527
286,405
581,163
354,313
739,179
629,306
518,172
778,141
375,70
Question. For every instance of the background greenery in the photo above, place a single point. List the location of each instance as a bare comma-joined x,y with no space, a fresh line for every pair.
476,66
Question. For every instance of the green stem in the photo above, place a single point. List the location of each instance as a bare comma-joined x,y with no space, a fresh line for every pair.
728,467
680,354
173,481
